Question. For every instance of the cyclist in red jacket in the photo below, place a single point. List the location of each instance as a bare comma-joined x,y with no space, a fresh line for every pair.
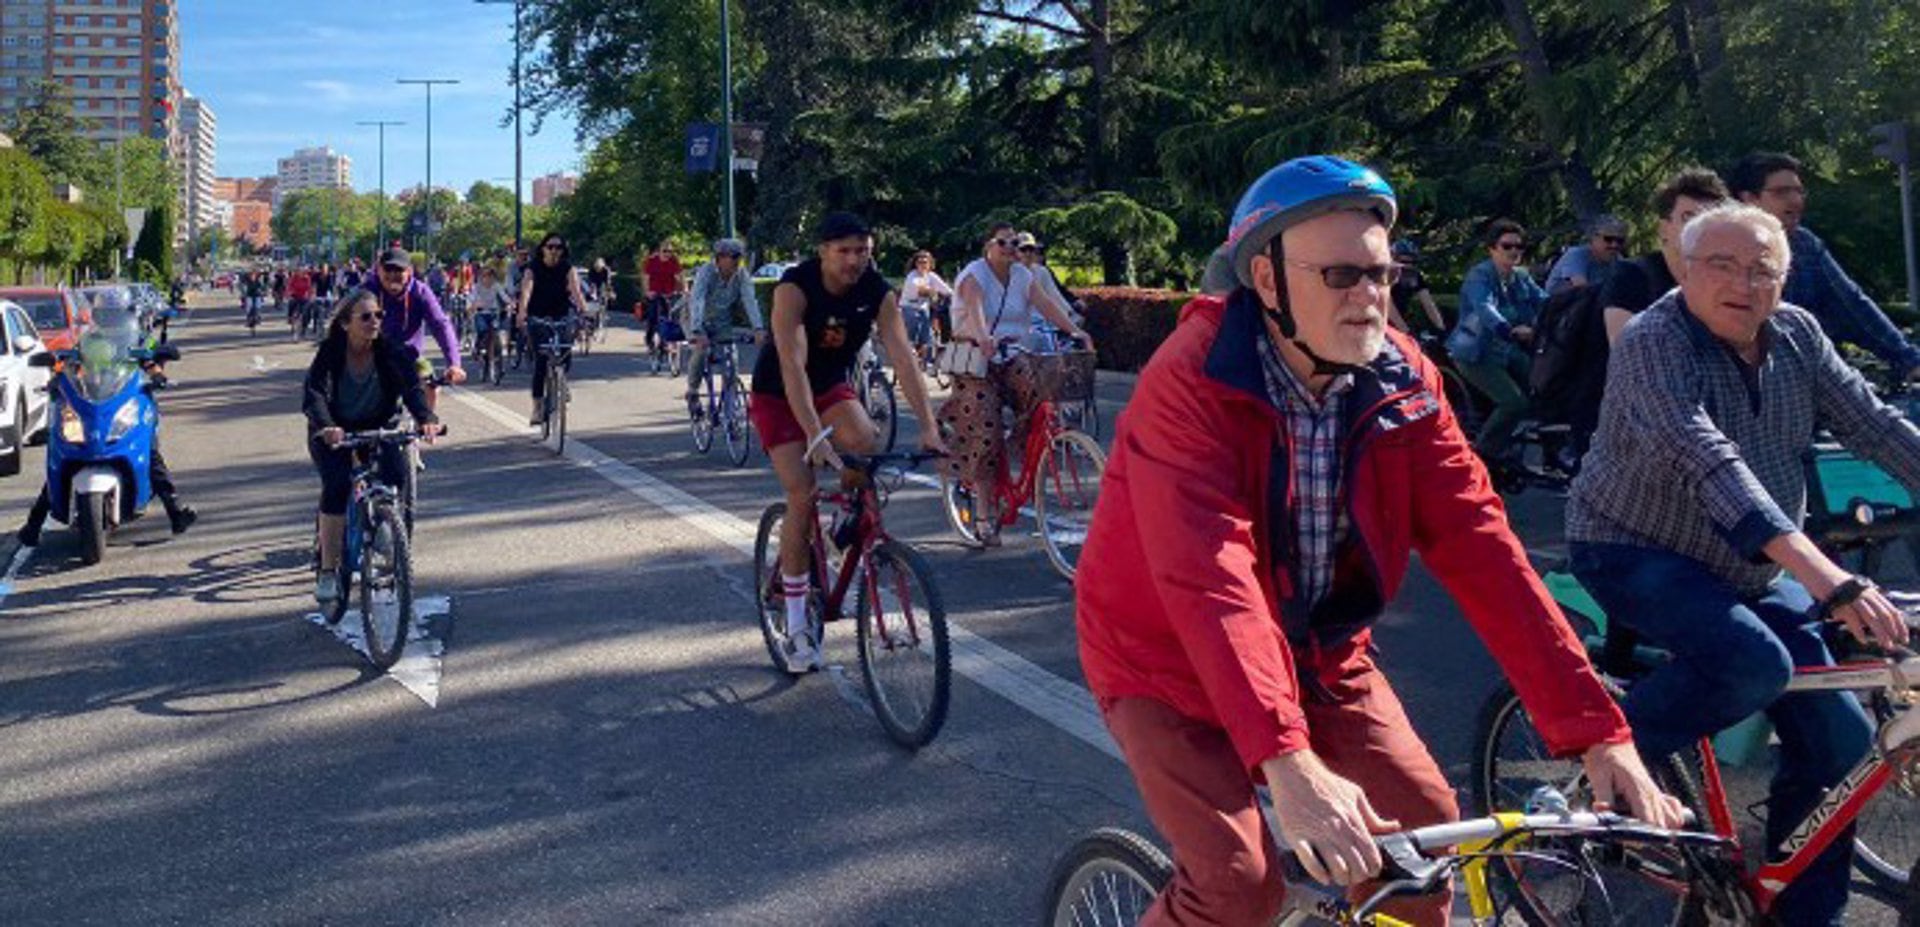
1282,457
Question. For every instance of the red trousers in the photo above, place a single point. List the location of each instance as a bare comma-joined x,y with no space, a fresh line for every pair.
1201,800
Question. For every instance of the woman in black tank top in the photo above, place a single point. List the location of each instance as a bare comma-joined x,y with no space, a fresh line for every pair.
549,292
824,310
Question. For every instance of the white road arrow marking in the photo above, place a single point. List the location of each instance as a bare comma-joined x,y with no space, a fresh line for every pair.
21,555
419,666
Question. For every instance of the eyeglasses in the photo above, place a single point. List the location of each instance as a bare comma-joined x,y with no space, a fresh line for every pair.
394,270
1348,276
1007,243
1615,240
1758,276
1511,246
1028,249
371,316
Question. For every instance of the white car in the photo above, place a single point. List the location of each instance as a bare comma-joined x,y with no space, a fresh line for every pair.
23,388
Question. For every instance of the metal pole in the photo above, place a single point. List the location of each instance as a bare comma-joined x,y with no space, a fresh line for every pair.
380,235
428,82
726,116
517,183
1906,225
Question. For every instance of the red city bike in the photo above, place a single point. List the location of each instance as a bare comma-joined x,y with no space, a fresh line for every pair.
1060,467
901,621
1880,797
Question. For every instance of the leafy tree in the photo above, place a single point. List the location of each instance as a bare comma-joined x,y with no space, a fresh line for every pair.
23,209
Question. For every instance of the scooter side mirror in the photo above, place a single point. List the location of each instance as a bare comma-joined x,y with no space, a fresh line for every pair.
166,353
45,359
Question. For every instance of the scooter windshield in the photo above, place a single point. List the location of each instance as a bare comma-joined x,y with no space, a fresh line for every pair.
106,362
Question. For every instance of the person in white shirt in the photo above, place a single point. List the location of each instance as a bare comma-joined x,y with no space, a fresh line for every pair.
919,294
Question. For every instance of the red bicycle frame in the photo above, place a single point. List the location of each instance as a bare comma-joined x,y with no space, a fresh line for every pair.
1843,803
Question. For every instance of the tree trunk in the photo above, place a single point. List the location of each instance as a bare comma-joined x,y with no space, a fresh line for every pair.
1710,55
1582,188
1114,261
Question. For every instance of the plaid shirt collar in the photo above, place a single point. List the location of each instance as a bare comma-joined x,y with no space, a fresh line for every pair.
1313,427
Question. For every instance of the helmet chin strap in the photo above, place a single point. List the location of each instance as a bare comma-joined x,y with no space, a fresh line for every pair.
1289,329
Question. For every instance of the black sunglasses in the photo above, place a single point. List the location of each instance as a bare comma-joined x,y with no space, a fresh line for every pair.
1614,239
372,316
1007,243
1348,276
1511,246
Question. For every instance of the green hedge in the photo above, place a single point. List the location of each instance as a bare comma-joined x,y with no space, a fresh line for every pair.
1128,323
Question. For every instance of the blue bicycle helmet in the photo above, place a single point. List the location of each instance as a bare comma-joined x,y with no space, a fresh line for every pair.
1286,196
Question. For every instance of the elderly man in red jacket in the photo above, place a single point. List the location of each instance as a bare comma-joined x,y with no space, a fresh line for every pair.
1282,457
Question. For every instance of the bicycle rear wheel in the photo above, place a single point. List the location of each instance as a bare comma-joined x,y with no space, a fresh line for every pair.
1107,879
560,401
386,588
770,603
733,416
1068,487
702,418
882,406
904,655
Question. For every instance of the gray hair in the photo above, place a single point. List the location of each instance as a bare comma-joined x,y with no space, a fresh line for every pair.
1606,222
1733,212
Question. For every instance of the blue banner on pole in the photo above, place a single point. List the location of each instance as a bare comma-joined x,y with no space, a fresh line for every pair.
703,147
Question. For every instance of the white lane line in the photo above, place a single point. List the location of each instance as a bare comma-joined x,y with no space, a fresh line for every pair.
1057,701
418,669
21,555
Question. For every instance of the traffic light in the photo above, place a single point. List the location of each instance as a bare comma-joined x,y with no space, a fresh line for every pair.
1890,142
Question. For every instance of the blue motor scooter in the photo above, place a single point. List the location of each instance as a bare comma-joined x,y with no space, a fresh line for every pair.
100,444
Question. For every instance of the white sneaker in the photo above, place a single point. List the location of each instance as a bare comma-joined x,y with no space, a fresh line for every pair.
802,656
326,588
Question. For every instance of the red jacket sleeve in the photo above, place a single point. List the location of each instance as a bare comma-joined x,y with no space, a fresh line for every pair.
1184,488
1461,531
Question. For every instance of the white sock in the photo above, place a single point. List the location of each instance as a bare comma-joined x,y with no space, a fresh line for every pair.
795,588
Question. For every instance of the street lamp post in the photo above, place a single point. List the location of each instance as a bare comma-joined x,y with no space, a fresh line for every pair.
516,119
381,235
428,83
726,114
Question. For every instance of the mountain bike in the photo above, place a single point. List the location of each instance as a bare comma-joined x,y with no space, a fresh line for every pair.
375,555
874,385
1059,477
900,618
1881,796
722,402
1111,877
553,340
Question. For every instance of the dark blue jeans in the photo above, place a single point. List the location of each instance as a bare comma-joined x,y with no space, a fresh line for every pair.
1733,656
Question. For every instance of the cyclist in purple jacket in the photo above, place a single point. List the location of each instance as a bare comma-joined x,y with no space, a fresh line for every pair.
410,309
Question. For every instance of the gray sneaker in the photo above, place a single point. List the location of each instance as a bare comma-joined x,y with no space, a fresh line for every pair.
802,656
326,589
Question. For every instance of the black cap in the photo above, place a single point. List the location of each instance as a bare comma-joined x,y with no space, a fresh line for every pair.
838,225
396,257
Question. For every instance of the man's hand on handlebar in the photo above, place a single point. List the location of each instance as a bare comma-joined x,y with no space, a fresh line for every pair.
432,430
820,450
456,375
332,437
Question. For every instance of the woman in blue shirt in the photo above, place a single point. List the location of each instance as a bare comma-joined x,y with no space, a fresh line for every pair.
1498,303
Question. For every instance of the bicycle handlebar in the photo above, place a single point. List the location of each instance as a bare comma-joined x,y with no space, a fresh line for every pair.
375,436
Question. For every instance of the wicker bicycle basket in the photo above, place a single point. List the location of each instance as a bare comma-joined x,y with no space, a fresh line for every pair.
1064,377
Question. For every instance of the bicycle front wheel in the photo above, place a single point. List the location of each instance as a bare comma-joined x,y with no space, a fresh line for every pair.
386,588
1108,879
702,423
904,655
733,416
882,407
1067,488
560,401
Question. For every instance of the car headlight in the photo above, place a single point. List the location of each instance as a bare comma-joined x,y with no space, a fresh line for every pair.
72,430
123,421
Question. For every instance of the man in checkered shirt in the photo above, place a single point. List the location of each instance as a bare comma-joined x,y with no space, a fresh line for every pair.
1685,520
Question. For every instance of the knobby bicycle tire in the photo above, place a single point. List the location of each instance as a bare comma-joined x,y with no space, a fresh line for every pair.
344,566
384,646
1108,878
915,627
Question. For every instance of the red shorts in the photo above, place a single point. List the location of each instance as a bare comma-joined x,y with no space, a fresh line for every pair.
773,417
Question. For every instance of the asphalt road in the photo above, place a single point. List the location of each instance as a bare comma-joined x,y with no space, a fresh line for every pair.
609,743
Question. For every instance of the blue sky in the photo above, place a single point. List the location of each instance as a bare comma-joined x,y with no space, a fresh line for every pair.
281,76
